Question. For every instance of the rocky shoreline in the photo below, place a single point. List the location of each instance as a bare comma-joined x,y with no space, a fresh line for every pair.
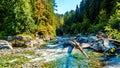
53,51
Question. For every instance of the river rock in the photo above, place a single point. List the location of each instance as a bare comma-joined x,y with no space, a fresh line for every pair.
5,44
98,46
19,41
92,39
103,45
62,40
85,45
108,45
82,39
10,38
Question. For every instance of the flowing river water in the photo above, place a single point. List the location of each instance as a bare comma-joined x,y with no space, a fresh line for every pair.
59,58
97,60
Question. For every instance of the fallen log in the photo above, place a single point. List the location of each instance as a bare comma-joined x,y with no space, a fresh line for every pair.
78,46
81,49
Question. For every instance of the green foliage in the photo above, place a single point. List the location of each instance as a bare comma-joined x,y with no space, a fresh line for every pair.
60,20
33,16
6,16
2,34
112,50
17,17
115,18
15,60
85,25
44,17
93,16
23,16
26,16
113,28
112,32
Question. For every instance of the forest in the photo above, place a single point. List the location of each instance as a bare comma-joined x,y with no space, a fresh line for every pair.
92,16
27,17
32,35
33,16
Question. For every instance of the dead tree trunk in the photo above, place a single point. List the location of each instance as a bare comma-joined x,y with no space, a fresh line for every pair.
77,45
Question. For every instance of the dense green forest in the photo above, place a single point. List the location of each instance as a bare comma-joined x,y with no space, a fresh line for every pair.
92,16
34,16
27,17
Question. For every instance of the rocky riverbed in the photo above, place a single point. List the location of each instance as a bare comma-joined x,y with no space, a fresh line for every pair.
54,56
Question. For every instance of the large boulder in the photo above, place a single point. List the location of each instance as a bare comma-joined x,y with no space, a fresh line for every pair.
25,41
5,44
103,45
19,41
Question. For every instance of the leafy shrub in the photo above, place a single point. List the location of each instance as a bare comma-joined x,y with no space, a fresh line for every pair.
112,32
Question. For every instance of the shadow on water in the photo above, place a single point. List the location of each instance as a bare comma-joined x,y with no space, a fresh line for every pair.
71,61
114,60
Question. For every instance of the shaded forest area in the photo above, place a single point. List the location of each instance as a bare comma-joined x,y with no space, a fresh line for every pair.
92,16
37,16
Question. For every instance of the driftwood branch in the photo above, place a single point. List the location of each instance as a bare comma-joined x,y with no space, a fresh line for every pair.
77,45
114,41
